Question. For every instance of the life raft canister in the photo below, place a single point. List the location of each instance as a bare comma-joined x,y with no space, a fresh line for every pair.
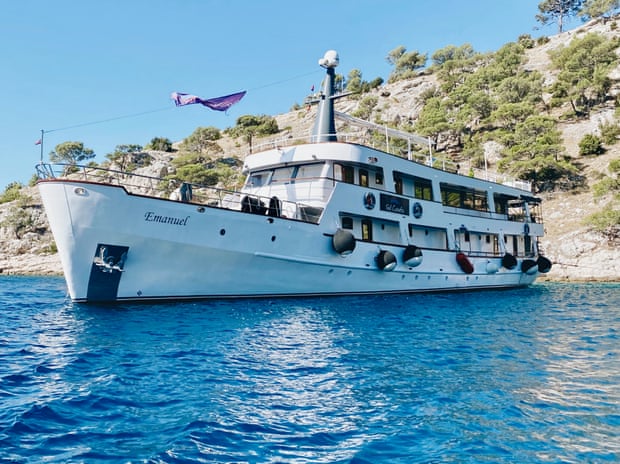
386,261
343,242
544,264
509,261
529,266
464,262
412,256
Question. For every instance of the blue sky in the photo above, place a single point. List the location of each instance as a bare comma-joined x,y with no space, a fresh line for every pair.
67,64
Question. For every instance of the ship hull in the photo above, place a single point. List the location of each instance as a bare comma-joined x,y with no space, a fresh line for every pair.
116,246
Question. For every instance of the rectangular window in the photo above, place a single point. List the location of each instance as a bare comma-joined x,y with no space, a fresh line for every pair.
363,176
450,198
309,171
459,196
258,179
366,229
347,222
344,173
501,202
398,184
282,175
480,200
348,174
422,188
379,178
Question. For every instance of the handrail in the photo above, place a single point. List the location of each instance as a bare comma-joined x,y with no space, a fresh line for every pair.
362,138
200,195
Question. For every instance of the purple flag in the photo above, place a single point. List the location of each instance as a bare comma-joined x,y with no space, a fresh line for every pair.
217,104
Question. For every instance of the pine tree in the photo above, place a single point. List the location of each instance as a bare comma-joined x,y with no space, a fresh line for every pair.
551,10
598,8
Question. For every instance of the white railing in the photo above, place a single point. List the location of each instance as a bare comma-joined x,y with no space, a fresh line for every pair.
363,138
177,190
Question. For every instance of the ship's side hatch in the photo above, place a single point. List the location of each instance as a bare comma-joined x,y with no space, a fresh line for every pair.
106,271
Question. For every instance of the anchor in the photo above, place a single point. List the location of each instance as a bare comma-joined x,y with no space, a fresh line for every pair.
108,263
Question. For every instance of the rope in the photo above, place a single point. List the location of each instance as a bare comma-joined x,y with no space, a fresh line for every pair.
285,80
116,118
142,113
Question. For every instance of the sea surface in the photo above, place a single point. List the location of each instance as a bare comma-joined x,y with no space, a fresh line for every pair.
517,376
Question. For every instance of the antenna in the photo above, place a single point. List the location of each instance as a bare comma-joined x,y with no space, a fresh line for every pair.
324,126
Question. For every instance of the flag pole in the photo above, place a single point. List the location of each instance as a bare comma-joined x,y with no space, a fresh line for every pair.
42,134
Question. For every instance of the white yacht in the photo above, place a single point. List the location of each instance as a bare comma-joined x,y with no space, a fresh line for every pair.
324,217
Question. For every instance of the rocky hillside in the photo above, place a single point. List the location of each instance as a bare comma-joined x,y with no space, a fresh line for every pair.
33,251
577,252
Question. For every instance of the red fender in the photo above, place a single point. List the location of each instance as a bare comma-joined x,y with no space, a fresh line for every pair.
464,263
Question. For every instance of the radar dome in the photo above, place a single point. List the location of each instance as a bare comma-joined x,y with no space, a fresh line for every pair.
330,59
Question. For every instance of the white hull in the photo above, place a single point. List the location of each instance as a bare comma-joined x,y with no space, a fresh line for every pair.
223,253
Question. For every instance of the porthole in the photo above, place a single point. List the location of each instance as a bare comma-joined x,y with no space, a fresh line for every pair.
81,191
273,238
222,231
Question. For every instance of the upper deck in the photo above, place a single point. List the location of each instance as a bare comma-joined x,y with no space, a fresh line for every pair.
359,147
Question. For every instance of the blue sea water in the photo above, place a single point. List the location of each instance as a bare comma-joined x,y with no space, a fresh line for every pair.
518,376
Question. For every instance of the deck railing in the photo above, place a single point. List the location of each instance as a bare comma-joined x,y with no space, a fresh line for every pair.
420,157
177,190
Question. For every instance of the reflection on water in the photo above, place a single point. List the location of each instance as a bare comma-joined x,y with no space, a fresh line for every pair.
290,374
580,358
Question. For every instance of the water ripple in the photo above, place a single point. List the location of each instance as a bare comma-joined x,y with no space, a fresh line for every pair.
529,375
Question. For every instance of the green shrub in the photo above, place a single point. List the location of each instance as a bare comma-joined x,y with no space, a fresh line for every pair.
591,144
159,144
609,132
606,222
33,180
11,192
365,107
605,186
19,220
608,184
526,41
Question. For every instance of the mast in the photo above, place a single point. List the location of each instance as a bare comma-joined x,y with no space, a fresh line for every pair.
324,126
